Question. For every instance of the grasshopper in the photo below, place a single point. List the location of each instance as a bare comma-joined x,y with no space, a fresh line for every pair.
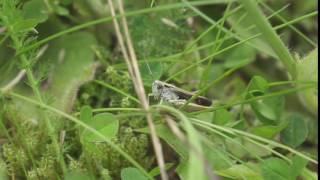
178,97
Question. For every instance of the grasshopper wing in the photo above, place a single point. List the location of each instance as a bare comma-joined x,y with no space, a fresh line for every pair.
200,100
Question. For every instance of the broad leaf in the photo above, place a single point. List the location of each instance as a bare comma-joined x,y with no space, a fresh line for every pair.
150,72
86,114
104,123
244,149
205,116
264,112
131,173
275,168
268,110
243,171
296,132
222,117
257,86
156,171
36,9
298,164
268,131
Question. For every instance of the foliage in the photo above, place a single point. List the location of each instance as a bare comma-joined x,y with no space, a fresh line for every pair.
69,110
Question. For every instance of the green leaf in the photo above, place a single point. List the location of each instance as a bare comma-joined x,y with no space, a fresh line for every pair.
217,157
253,150
277,104
25,25
257,86
307,70
267,110
298,164
296,132
247,171
239,56
156,171
152,74
248,149
104,123
131,173
35,9
264,112
268,131
275,168
62,11
308,174
86,114
205,116
221,117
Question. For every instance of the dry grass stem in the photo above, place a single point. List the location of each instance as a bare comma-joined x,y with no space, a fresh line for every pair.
137,82
119,36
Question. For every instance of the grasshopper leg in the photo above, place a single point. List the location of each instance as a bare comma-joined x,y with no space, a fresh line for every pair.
177,102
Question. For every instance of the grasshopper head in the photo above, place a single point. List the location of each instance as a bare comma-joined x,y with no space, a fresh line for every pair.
157,87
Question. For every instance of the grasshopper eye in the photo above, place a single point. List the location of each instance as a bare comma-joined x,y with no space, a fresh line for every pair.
159,86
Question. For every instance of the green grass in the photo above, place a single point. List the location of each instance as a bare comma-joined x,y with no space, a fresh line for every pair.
69,109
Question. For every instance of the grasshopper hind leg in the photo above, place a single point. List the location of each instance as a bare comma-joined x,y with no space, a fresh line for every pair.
177,102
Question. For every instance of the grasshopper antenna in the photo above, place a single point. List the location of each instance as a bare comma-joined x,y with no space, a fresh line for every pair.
153,79
149,69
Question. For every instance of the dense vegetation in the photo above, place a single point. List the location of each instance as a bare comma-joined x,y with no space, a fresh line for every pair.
73,103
